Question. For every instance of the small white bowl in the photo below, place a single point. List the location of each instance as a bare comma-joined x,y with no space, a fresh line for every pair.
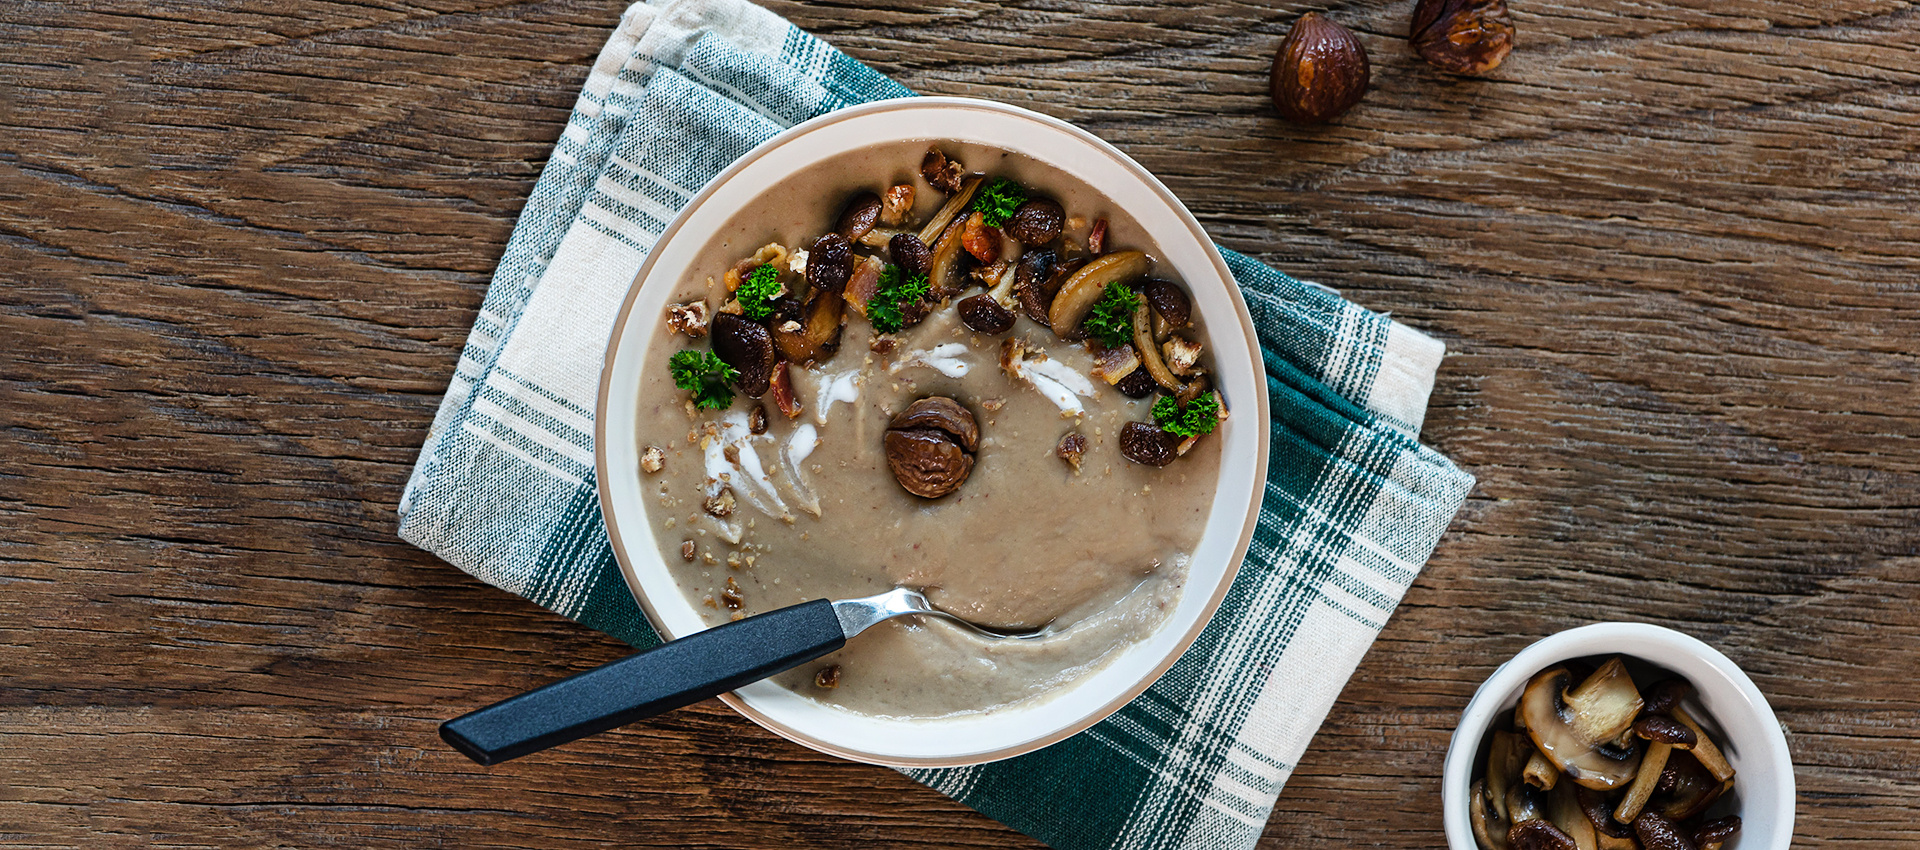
1748,732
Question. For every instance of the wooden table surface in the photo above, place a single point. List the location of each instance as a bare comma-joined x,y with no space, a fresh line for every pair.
1671,247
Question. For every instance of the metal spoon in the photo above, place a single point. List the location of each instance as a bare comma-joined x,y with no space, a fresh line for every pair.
682,672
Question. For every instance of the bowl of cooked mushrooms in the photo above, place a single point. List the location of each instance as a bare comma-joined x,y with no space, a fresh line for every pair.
1618,736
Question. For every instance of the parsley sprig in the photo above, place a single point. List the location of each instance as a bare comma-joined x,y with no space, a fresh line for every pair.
998,199
705,376
757,292
897,290
1197,417
1111,320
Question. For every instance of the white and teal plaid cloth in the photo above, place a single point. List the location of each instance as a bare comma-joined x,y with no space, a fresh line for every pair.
1353,505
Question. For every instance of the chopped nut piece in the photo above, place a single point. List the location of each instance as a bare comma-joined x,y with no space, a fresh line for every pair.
686,551
1462,36
942,173
828,677
653,460
689,318
721,505
731,595
1071,447
1181,355
757,417
896,204
883,344
994,404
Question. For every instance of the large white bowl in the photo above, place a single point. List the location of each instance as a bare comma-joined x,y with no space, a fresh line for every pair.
1750,734
1007,732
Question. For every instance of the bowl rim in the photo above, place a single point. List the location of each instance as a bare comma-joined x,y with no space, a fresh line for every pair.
1258,406
1706,667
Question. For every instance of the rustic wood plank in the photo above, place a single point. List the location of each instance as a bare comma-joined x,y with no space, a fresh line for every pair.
1671,246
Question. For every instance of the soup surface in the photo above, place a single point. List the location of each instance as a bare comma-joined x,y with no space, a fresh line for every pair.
756,510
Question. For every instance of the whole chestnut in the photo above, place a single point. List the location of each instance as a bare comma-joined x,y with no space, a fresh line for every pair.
930,446
1320,71
1462,36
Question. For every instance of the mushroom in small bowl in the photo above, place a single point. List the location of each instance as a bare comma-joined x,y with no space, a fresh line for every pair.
1618,736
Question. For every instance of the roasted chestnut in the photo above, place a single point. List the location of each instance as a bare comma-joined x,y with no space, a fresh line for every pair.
1320,71
1036,222
830,263
1146,443
985,315
1138,383
910,254
748,348
1462,36
930,446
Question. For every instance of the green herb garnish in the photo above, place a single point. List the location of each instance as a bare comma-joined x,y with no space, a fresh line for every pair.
1111,320
704,375
997,201
757,292
1196,418
897,289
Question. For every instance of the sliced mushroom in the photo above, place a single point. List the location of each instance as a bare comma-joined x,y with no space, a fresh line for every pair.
1525,803
748,348
1694,788
945,271
951,210
860,215
816,335
1605,705
1036,222
1600,813
1578,746
1085,288
1506,761
1490,823
1149,354
1563,811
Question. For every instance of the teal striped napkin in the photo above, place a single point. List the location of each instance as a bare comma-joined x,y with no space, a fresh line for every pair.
1353,505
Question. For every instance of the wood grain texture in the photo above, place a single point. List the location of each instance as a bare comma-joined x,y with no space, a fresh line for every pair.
1671,246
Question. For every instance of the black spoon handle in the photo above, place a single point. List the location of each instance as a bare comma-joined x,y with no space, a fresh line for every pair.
654,681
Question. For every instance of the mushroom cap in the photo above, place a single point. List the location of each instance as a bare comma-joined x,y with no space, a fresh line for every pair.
1578,749
748,348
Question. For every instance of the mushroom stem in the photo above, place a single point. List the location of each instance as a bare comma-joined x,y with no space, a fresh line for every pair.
1539,772
1650,766
1704,750
952,208
1150,353
1563,810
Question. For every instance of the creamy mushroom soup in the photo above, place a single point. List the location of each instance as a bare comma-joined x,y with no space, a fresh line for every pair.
844,406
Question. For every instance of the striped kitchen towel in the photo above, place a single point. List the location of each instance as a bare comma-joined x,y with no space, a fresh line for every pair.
1353,504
